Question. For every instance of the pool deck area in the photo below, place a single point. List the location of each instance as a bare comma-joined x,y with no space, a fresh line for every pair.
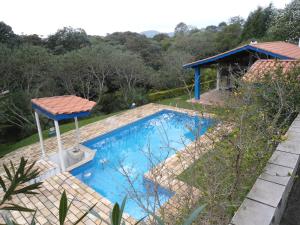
47,201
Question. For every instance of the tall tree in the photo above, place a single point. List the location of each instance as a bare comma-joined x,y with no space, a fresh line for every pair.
258,23
67,39
7,36
181,29
286,24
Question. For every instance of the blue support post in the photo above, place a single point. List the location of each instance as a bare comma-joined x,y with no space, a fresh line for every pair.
197,83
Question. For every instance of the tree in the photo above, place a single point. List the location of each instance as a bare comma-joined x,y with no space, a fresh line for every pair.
172,74
67,39
286,24
32,39
84,72
7,36
148,49
181,29
129,74
229,36
160,37
258,23
25,73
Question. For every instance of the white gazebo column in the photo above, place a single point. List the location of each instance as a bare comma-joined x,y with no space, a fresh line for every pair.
60,147
77,132
37,120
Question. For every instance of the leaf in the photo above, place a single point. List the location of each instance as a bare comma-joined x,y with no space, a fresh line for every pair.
94,213
63,208
3,184
8,221
8,174
158,219
12,168
16,207
115,214
194,215
33,219
85,214
140,220
28,189
122,209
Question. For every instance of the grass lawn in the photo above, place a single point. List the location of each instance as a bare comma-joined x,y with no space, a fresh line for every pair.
6,148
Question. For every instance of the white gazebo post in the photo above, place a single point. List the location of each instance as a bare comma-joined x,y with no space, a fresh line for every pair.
37,120
77,132
60,147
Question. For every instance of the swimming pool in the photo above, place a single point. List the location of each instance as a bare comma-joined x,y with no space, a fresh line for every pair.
124,155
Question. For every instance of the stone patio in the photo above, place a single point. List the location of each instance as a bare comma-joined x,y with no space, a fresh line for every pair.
214,97
47,201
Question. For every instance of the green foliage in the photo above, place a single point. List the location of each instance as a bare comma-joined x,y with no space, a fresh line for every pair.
120,68
32,39
64,209
170,93
6,148
261,114
149,50
7,36
258,22
229,36
189,221
286,24
181,29
67,39
14,182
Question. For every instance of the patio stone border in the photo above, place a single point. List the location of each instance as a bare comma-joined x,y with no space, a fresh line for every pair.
266,201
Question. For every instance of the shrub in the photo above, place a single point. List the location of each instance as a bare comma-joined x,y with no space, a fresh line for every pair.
169,93
175,92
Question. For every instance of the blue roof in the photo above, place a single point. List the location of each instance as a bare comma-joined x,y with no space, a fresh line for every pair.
248,48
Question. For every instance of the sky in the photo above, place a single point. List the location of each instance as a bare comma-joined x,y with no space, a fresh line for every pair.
99,17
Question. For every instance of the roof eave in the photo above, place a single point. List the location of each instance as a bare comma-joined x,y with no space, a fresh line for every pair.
237,50
62,116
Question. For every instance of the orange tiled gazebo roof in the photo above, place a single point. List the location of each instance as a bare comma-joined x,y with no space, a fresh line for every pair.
264,66
63,107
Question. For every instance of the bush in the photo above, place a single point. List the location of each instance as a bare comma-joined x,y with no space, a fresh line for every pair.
175,92
156,96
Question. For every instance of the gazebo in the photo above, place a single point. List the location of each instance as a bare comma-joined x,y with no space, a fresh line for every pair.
239,60
60,108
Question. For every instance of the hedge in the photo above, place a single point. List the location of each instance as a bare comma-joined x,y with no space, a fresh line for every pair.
171,93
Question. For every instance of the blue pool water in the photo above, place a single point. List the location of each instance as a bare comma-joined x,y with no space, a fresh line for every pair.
124,155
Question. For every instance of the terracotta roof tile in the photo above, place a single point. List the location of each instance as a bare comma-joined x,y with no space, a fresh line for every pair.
66,104
264,66
281,48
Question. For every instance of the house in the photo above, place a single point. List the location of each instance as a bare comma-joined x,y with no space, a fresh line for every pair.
238,60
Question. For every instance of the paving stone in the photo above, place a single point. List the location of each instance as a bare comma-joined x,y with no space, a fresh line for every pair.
266,192
277,174
284,159
293,136
289,146
253,213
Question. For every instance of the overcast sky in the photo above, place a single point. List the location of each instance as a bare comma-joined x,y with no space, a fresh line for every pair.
100,17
